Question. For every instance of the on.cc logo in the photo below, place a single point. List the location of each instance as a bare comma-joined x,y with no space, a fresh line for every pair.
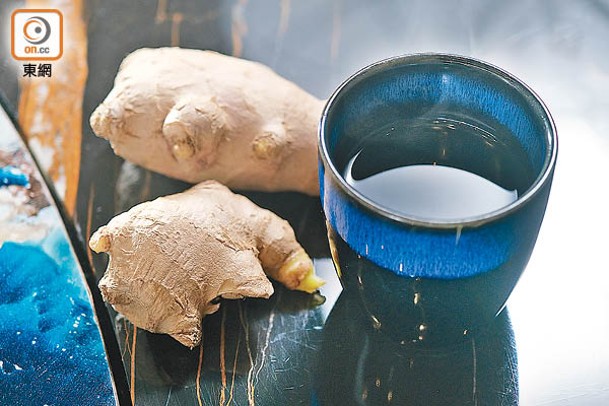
36,30
37,34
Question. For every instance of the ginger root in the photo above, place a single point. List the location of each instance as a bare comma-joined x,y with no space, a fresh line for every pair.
171,259
198,115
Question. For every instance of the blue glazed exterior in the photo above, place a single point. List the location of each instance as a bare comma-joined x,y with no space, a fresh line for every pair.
444,253
418,248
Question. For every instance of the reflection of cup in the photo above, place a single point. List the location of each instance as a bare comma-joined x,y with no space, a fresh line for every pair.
426,279
358,365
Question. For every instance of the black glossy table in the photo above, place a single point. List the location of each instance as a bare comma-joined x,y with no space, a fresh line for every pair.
549,348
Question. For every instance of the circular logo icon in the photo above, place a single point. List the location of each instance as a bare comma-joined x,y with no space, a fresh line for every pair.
36,30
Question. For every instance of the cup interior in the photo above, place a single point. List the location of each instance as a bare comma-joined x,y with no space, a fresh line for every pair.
432,86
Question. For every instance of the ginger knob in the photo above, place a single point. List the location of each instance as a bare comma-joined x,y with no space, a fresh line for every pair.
173,257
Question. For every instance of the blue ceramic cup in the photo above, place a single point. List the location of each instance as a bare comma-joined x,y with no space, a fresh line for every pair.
426,280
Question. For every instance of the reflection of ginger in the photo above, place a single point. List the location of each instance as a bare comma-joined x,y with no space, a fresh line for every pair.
197,115
171,259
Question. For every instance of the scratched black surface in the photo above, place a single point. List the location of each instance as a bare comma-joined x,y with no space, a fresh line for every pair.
273,352
287,350
254,351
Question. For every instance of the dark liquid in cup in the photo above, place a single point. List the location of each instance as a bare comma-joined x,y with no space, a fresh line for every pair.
433,192
439,169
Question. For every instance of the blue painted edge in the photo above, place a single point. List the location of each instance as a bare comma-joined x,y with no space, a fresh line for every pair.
50,343
10,175
52,349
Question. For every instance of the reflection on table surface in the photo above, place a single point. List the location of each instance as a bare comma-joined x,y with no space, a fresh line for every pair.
560,309
358,364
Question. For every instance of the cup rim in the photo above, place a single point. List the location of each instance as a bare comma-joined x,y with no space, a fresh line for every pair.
542,179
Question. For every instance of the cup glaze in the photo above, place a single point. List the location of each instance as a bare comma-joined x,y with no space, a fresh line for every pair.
429,282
